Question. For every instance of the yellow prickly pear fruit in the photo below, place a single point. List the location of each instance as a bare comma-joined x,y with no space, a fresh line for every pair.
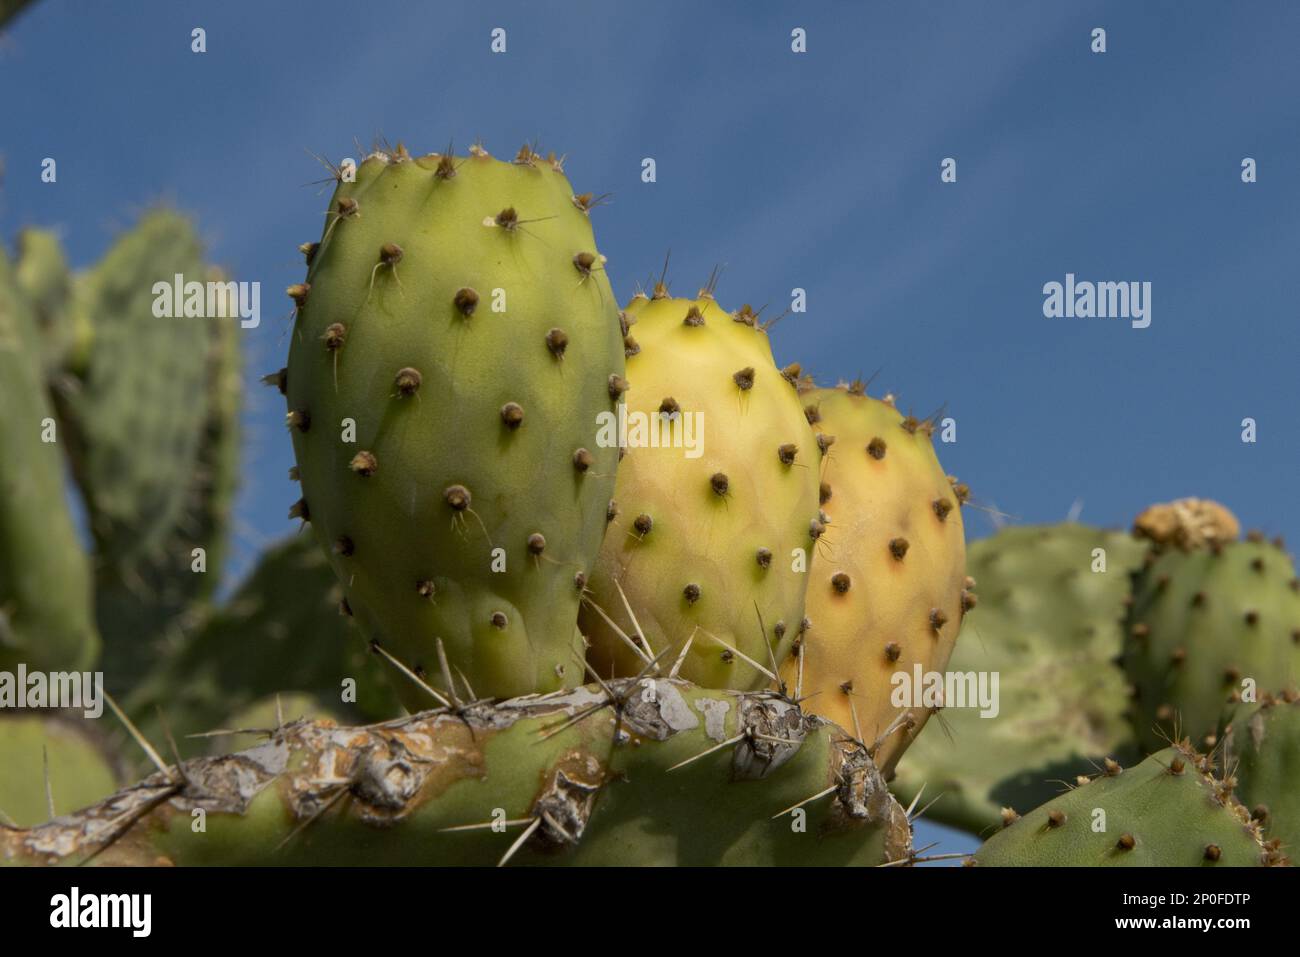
714,515
888,583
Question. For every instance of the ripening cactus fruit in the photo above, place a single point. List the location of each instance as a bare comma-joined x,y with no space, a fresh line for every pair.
1168,811
454,342
1262,749
1050,625
714,515
1211,618
887,590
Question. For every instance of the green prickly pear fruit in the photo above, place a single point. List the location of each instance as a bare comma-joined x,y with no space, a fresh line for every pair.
711,526
1262,748
1211,617
1050,625
46,609
886,593
1168,811
50,759
455,341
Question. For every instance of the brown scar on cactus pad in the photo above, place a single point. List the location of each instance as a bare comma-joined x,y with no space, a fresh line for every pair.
716,569
419,372
894,577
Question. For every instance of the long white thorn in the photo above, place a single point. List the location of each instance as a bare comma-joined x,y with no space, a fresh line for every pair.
412,675
485,825
446,674
519,842
921,813
900,719
911,807
853,711
681,658
49,790
640,633
807,800
704,754
641,652
741,655
139,738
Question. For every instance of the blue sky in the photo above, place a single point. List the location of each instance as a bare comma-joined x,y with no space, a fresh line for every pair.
818,171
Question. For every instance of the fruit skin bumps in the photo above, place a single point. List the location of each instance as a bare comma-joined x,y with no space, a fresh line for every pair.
455,341
888,585
708,544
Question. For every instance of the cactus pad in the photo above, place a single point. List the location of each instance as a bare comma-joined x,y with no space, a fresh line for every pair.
672,774
1205,624
1168,811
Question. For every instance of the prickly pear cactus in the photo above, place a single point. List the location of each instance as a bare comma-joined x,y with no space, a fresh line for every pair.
655,772
280,632
454,342
42,273
1206,623
1049,624
51,758
707,546
886,593
1262,750
1168,811
133,411
46,616
150,407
